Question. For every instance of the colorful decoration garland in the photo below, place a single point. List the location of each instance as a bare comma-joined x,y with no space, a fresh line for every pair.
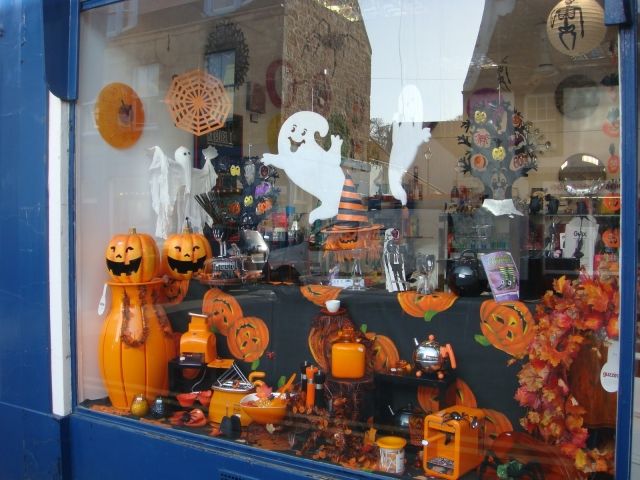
573,313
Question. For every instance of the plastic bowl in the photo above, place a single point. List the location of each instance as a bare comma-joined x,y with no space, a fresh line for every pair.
263,415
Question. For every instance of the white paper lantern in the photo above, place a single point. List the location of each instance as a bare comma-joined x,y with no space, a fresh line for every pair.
575,27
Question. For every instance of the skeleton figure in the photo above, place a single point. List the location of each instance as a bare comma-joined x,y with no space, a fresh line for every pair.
393,261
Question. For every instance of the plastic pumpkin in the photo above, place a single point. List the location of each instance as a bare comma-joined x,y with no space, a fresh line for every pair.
508,326
248,338
417,305
221,308
319,294
132,257
184,254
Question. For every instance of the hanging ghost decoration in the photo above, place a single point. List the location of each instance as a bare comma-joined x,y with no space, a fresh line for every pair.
173,184
407,136
307,164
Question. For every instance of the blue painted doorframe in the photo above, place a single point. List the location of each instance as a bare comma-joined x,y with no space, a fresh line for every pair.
33,441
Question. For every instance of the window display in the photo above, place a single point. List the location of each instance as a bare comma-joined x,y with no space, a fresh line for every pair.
382,262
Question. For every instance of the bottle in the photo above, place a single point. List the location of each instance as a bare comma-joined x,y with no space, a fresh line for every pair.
347,355
303,375
318,380
311,389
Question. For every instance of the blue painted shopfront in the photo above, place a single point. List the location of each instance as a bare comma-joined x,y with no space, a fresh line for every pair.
37,444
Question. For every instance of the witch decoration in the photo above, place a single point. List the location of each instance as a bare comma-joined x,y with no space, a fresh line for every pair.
501,147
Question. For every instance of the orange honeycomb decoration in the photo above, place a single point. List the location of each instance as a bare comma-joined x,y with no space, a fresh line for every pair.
198,102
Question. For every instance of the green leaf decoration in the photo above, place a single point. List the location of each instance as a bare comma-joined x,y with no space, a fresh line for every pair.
363,328
255,364
428,315
482,340
281,381
214,329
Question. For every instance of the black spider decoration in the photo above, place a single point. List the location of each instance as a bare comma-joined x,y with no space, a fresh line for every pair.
228,36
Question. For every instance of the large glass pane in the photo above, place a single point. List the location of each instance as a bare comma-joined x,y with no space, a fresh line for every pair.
378,233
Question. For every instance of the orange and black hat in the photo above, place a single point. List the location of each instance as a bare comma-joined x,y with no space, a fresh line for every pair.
352,214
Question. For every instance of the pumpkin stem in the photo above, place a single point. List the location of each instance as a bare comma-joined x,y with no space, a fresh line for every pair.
132,231
187,228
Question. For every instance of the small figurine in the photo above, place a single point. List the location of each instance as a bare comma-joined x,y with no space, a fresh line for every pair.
393,261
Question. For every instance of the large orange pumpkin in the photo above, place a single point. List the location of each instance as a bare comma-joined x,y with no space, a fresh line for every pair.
319,294
459,393
184,254
425,306
221,308
132,257
385,353
508,326
248,338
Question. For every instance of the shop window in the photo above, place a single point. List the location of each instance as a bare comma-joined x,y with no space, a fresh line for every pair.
368,232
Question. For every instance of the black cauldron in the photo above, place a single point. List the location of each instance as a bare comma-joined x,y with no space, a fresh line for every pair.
465,275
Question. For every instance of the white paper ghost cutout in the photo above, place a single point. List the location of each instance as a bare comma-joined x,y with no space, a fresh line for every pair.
173,186
407,136
307,164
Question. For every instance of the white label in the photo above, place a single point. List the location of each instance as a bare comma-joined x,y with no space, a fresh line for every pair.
102,306
342,282
610,370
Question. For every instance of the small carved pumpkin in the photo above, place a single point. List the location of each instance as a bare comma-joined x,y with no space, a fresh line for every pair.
319,294
611,204
221,308
498,153
418,305
508,326
184,254
234,208
132,257
385,353
480,116
248,338
263,206
611,238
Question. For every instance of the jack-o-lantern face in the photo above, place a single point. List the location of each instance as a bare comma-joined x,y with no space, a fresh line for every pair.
498,153
611,204
132,257
221,309
248,338
348,239
234,208
508,326
184,254
234,170
480,116
611,238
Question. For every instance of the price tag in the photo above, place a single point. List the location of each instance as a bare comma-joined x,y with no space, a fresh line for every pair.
610,370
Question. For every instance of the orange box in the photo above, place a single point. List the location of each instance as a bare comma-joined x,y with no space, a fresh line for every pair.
198,339
453,441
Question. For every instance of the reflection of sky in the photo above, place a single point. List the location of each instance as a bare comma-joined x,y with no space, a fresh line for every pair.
427,43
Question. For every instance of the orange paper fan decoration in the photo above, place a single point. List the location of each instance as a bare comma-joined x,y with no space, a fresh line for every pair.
198,102
119,115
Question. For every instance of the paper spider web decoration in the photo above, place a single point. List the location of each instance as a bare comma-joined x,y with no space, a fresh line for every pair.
198,102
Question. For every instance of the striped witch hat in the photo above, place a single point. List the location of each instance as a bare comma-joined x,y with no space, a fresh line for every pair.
352,214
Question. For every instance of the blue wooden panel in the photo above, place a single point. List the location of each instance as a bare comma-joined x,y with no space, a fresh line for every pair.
102,448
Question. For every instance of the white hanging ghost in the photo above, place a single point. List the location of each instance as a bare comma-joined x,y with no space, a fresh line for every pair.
407,136
393,261
307,164
173,184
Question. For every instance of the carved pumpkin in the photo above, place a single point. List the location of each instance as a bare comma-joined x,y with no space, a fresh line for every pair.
495,423
248,338
508,326
385,353
610,204
425,306
611,238
221,309
319,294
132,257
459,393
234,208
173,291
263,206
428,398
184,254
